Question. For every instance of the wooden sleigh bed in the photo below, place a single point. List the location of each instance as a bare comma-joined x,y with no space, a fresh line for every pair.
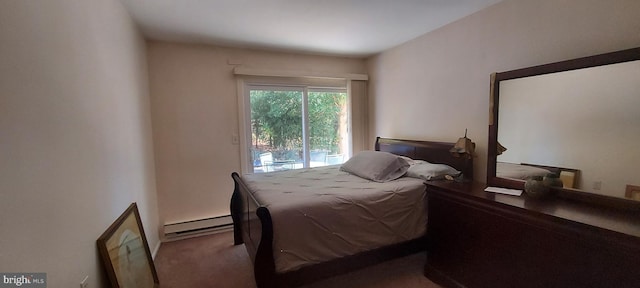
253,224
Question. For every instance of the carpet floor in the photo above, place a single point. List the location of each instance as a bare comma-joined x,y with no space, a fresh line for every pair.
213,261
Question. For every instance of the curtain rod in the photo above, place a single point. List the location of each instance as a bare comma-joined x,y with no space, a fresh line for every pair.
288,73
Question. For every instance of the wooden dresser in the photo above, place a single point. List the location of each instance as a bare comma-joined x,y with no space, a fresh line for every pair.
481,239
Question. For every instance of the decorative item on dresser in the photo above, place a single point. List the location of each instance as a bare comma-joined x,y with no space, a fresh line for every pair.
536,188
480,239
464,148
255,221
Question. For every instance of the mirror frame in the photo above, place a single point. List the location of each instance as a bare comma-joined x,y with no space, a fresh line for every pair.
578,63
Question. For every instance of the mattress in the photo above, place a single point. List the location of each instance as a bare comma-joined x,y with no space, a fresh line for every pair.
517,171
322,213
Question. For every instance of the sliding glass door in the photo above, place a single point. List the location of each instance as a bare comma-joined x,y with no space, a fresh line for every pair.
296,126
328,127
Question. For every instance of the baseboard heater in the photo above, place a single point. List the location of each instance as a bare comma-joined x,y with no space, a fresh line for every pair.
200,226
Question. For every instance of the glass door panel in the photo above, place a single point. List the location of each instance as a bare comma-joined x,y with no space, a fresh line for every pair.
276,128
328,127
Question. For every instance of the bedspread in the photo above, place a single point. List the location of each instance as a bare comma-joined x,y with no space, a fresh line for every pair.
518,171
323,213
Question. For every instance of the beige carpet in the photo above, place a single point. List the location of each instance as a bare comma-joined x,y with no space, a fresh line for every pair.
213,261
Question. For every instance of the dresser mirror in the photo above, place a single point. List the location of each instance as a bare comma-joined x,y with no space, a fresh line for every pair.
579,119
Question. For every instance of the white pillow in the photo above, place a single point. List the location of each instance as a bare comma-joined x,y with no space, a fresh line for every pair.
376,166
429,171
409,160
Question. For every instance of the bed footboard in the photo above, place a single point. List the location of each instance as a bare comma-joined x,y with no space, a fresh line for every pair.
252,226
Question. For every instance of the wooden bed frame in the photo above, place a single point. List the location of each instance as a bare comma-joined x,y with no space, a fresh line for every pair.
252,223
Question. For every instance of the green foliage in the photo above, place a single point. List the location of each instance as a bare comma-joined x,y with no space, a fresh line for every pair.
324,120
277,119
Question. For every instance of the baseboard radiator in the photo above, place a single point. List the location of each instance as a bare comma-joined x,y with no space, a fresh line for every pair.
196,227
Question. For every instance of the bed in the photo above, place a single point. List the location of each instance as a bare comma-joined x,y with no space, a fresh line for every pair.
518,171
524,171
296,242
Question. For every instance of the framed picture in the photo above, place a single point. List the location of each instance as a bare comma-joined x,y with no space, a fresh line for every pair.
125,252
632,192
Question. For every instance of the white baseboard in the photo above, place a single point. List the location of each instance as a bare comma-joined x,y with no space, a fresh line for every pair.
198,233
198,227
155,250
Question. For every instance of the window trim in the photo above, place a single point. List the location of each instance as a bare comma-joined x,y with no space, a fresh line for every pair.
244,86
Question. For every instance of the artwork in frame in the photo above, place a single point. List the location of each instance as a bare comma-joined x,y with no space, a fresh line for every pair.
632,192
125,252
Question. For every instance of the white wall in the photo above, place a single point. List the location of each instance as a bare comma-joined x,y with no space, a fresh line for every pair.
194,107
434,86
75,135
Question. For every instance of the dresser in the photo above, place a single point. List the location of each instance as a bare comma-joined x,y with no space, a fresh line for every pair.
482,239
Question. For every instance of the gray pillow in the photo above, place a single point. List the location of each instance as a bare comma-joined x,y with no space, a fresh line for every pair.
376,166
429,171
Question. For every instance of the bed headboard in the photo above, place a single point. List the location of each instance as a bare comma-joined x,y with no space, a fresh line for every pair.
433,152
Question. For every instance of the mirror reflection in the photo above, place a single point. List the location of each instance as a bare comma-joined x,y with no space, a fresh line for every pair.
581,124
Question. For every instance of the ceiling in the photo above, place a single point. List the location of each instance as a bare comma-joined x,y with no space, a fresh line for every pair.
354,28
